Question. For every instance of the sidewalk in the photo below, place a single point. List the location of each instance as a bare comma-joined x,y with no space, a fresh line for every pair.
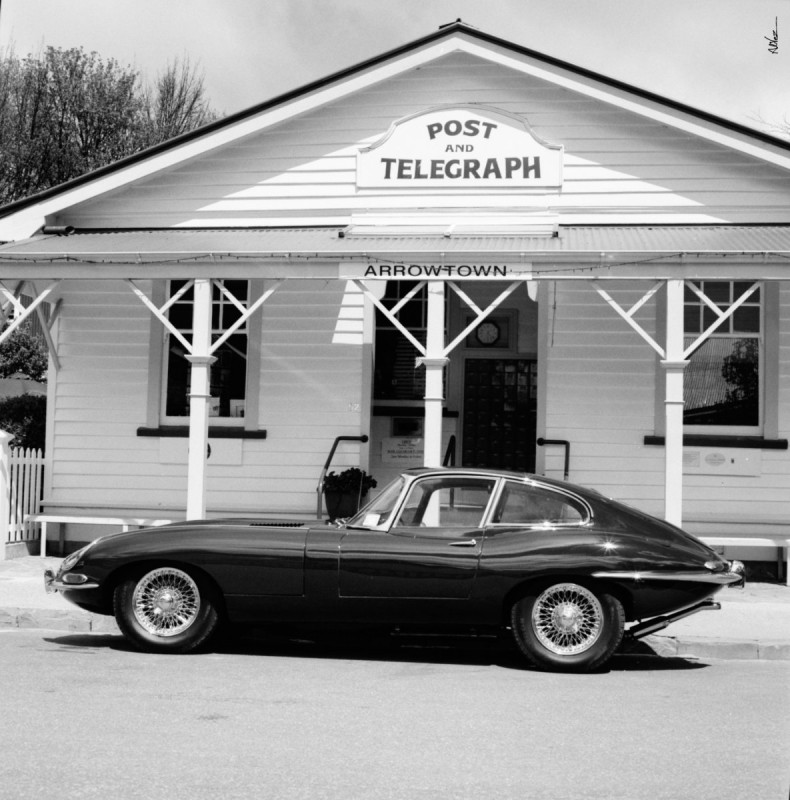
754,622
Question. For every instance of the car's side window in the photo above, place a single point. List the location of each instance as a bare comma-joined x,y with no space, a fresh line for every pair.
446,502
525,504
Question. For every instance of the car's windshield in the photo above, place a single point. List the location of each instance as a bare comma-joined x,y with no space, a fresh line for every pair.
379,510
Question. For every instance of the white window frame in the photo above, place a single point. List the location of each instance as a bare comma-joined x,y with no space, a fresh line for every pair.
733,430
768,427
157,383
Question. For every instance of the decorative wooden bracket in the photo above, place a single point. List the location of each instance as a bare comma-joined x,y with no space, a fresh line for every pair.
245,311
21,313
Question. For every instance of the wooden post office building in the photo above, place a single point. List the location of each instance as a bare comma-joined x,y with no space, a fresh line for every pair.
461,249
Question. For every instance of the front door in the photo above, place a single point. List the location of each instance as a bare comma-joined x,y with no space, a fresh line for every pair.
500,413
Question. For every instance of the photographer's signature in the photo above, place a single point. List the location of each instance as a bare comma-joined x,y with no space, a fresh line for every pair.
773,39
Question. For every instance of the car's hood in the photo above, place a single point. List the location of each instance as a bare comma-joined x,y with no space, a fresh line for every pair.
216,529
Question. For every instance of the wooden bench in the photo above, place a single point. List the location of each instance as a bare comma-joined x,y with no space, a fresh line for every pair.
781,543
125,523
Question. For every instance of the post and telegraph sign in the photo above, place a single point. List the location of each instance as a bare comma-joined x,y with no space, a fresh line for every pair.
469,147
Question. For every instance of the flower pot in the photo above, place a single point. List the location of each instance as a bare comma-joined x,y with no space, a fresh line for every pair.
342,504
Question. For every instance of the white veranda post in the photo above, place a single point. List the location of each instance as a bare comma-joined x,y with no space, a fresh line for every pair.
434,361
674,365
199,397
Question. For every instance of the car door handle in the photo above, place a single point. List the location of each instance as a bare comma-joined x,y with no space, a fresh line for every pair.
464,543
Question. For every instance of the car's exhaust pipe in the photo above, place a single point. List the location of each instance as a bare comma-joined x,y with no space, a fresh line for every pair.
658,623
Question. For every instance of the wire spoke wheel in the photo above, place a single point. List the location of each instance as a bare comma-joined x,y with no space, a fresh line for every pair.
567,619
567,626
166,602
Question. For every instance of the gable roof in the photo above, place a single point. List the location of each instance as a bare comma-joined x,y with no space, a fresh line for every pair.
456,36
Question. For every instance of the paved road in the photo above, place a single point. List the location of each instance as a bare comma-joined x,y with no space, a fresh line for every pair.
83,716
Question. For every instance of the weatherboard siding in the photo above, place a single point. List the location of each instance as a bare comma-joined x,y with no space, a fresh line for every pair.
309,393
618,166
600,392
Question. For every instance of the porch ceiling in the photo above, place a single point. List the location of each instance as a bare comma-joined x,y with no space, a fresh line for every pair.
604,251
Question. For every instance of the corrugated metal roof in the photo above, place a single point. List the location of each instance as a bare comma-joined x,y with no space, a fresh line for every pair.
335,242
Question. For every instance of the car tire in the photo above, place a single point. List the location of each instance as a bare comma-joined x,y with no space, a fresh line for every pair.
166,609
567,627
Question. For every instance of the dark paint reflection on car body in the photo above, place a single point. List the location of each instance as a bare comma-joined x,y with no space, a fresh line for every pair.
453,547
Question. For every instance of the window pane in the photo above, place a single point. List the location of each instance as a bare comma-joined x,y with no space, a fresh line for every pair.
746,319
529,505
397,375
741,287
228,372
447,502
709,317
691,319
718,291
176,402
228,378
181,316
722,383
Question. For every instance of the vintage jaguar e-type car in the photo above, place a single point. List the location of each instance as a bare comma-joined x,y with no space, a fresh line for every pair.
564,568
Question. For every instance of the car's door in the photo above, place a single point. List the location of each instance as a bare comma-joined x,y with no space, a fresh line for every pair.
431,551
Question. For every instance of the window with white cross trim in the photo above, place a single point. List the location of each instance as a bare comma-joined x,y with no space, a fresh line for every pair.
723,383
228,372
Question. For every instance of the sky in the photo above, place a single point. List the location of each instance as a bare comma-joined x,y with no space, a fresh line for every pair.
714,55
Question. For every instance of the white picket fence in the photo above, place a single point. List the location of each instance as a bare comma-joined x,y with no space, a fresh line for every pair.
21,485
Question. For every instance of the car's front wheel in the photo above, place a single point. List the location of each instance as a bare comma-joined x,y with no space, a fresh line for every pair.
165,609
566,626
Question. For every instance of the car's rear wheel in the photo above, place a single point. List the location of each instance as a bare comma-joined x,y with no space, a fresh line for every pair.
166,609
569,627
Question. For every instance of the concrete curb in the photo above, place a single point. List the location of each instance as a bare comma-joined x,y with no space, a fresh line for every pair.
661,646
76,621
733,649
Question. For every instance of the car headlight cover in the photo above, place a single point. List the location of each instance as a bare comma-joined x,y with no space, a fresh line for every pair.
71,561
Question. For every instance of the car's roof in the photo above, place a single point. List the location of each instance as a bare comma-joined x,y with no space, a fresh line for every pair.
584,491
496,473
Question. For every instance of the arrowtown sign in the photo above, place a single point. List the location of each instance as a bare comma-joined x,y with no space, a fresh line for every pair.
460,146
354,270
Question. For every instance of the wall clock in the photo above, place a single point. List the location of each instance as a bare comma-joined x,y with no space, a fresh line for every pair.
487,333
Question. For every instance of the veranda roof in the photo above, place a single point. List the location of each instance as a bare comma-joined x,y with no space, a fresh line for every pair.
638,249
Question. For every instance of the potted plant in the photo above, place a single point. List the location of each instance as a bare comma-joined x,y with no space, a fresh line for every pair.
345,490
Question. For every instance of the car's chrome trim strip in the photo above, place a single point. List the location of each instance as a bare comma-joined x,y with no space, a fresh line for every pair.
700,576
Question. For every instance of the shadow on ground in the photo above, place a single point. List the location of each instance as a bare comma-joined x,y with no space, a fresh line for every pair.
406,648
